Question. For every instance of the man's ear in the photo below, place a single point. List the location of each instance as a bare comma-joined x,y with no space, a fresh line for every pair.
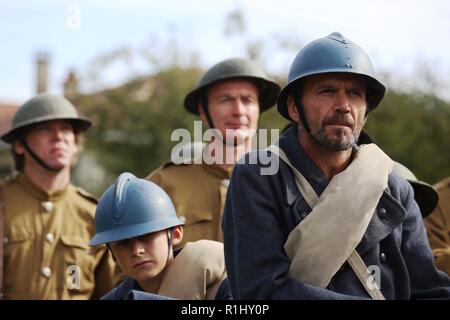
292,109
202,114
177,235
18,147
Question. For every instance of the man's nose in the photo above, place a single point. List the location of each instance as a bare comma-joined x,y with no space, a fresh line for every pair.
58,134
342,103
238,107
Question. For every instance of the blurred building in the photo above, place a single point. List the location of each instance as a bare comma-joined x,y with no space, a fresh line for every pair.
6,114
7,111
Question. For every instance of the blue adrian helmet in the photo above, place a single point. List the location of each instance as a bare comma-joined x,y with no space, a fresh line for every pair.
130,208
333,53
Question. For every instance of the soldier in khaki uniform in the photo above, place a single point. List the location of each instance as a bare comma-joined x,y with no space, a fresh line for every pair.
48,222
438,227
229,96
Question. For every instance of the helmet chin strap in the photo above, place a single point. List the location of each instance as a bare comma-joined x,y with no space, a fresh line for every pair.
169,238
36,158
208,117
210,122
301,113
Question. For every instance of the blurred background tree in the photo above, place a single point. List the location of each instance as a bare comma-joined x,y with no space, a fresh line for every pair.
133,122
414,129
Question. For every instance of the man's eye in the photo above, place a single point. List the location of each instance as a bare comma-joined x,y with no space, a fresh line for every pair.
326,91
248,100
355,93
42,128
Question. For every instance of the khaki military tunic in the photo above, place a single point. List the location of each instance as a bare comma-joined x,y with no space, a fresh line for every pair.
438,227
198,192
46,252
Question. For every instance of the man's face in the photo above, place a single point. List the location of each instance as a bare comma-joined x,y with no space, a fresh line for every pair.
53,141
142,258
335,106
234,106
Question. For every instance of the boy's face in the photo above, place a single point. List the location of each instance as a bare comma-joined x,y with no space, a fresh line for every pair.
144,258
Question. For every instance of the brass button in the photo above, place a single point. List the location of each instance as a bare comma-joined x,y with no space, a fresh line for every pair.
225,183
5,240
50,238
47,206
47,272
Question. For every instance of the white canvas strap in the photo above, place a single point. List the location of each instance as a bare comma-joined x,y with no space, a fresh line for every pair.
307,245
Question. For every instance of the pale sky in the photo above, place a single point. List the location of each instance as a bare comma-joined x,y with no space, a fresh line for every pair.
397,34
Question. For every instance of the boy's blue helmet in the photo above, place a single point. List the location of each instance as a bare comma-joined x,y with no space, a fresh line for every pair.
333,53
132,207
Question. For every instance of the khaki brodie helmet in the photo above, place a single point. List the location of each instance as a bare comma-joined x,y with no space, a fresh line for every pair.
44,107
234,68
425,195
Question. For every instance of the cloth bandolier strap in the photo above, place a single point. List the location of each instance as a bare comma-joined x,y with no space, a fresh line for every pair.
313,250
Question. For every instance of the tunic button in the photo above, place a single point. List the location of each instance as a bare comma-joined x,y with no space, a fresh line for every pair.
47,206
225,183
50,237
382,257
382,213
47,272
182,218
5,240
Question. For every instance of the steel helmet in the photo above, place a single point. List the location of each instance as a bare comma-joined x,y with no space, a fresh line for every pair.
235,68
333,53
424,194
132,207
44,107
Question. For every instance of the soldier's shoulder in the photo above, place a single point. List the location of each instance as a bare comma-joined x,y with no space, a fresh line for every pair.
171,169
442,185
8,181
85,195
170,165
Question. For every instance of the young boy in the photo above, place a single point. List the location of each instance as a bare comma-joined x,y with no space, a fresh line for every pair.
137,221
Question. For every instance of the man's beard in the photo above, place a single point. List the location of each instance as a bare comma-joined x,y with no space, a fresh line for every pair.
343,139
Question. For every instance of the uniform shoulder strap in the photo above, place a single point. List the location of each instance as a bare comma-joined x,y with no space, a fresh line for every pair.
86,195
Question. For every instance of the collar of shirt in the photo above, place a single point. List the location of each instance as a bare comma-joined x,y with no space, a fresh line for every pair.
39,193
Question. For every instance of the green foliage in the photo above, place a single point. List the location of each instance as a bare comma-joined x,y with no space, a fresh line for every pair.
132,124
414,129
